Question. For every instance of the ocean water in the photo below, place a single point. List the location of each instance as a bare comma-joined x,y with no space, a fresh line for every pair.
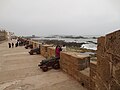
89,42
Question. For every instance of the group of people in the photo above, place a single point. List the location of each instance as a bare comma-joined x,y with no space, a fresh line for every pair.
11,45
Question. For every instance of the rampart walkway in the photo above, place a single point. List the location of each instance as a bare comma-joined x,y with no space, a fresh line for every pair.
19,71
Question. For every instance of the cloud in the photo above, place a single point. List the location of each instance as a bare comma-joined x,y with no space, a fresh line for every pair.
26,17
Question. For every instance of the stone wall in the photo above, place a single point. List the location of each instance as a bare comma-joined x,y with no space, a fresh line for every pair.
93,66
51,52
108,62
103,74
44,50
76,65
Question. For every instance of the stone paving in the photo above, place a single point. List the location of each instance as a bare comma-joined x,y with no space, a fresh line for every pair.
19,71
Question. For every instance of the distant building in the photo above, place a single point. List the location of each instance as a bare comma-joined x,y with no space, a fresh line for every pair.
4,35
33,36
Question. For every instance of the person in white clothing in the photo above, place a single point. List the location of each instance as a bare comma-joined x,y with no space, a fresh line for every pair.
64,48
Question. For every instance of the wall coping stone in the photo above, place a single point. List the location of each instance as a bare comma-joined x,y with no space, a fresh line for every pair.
76,55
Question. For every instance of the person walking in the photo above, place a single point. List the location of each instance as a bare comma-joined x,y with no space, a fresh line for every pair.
9,44
12,45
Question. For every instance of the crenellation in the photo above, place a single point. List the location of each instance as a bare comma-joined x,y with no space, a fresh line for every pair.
51,52
102,73
108,65
44,50
113,43
76,65
101,46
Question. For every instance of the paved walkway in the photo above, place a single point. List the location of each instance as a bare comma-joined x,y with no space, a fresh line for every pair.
19,71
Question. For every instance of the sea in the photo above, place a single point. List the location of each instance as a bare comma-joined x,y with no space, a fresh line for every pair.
90,42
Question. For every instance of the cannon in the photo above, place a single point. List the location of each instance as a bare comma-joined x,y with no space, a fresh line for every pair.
29,46
46,64
36,50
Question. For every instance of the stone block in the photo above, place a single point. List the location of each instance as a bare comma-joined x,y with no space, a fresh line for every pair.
70,72
99,84
73,66
75,73
44,50
113,43
51,51
101,46
116,74
85,78
103,69
115,60
75,59
64,57
114,85
92,85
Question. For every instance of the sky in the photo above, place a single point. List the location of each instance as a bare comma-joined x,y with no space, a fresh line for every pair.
60,17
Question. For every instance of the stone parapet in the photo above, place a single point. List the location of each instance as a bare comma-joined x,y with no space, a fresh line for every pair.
76,65
51,52
44,50
93,66
113,43
108,62
100,74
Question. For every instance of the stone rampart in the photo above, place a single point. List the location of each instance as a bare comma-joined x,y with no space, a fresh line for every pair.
51,52
44,50
76,65
103,74
108,62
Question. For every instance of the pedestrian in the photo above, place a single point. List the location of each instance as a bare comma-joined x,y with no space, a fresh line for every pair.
9,44
63,47
16,45
12,45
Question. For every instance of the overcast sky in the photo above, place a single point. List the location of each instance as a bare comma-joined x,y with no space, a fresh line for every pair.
66,17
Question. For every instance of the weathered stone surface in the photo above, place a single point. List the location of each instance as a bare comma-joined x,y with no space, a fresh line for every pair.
101,46
85,78
114,85
116,74
108,62
44,50
73,63
77,60
113,43
51,51
115,60
103,69
100,84
93,66
92,74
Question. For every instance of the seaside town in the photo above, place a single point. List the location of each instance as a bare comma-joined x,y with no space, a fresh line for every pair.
59,45
27,64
